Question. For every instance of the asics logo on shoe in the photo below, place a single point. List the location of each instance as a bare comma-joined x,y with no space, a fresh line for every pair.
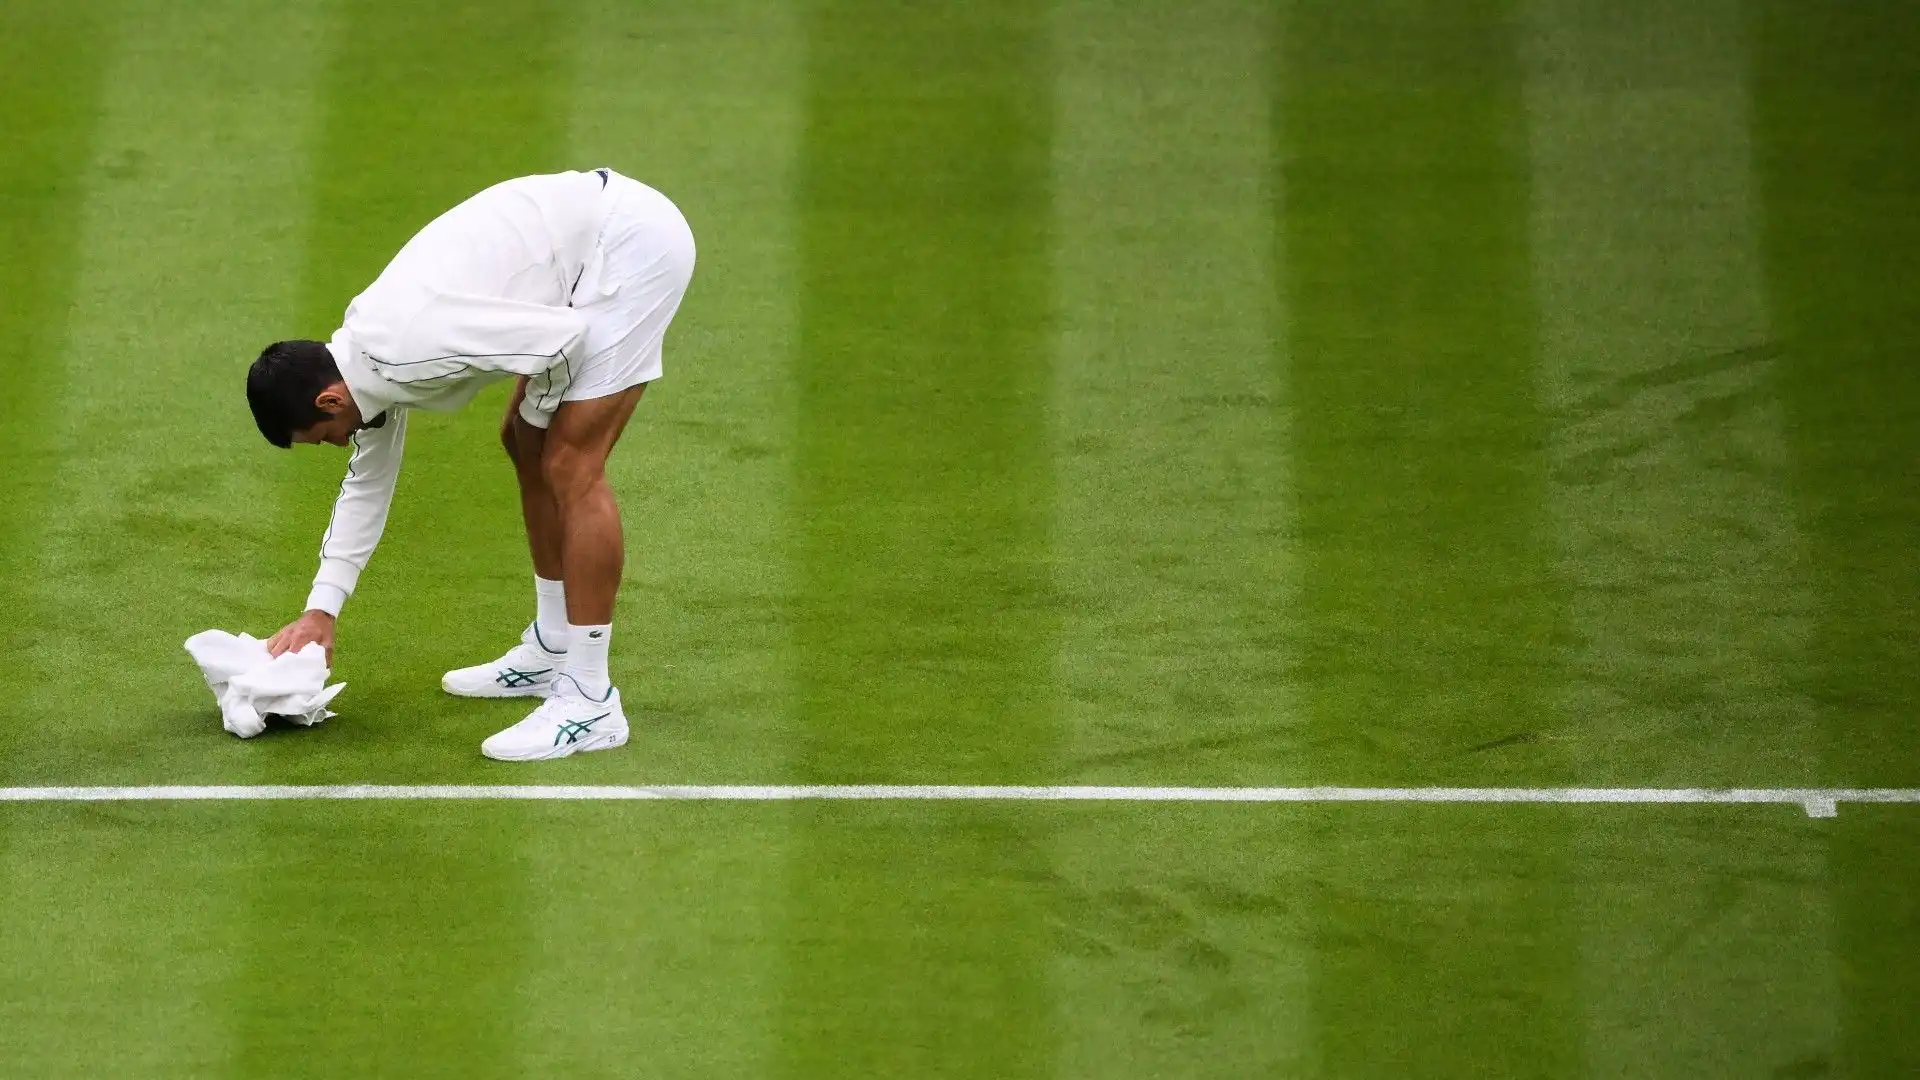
571,730
514,677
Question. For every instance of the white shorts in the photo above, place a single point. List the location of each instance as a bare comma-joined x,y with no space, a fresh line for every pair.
628,292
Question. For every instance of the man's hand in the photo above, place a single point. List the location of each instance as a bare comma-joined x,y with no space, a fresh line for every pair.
308,628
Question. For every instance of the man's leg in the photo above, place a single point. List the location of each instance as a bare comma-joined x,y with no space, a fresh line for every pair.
649,256
583,711
525,445
529,668
592,550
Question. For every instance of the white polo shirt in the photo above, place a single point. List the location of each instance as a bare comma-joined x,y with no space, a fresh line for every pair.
483,293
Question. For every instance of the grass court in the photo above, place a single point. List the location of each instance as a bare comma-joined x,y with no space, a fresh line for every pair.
1129,392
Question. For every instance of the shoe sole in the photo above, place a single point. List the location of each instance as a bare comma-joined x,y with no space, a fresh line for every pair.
496,691
613,740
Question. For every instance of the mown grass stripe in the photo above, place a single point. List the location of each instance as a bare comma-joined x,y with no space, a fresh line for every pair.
1172,537
1676,521
702,476
1427,600
923,495
1174,513
1837,141
414,939
53,59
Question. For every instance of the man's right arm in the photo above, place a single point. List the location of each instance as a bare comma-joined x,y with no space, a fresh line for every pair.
360,513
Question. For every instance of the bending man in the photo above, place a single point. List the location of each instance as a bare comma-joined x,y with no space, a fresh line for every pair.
566,284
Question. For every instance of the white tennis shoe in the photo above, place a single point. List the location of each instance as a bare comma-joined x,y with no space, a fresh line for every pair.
568,722
527,670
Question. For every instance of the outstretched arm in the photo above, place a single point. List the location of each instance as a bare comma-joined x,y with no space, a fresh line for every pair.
359,517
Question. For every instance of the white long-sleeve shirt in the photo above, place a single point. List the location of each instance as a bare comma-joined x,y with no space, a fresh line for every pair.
479,295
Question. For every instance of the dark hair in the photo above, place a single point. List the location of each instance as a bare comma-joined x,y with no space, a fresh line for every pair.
282,384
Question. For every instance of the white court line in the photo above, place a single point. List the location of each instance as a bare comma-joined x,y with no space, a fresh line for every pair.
1818,802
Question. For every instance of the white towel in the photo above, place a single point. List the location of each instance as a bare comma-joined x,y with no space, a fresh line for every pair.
250,685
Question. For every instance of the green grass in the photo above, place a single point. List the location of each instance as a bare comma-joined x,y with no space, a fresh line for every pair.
1833,132
921,479
1412,360
1106,391
49,75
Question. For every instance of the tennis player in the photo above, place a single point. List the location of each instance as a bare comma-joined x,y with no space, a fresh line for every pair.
565,284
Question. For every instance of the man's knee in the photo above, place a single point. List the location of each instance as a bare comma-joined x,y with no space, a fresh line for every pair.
508,441
571,472
524,443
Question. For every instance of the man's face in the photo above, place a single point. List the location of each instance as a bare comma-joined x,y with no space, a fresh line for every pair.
334,431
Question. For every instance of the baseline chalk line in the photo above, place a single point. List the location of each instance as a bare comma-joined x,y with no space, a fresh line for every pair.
1817,802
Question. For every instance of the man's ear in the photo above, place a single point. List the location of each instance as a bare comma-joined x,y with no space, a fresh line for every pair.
332,400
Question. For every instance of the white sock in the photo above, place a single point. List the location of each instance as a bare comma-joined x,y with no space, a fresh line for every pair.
550,618
587,661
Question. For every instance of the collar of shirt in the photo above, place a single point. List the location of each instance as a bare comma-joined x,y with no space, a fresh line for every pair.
362,381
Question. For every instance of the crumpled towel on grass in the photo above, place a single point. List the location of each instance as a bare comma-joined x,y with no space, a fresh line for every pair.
250,685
